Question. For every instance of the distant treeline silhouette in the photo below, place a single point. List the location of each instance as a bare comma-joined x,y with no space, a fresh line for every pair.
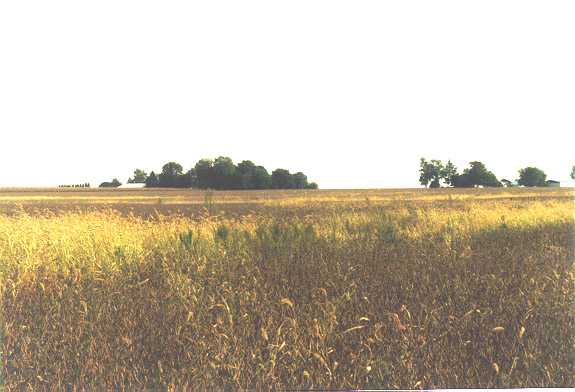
221,174
112,184
84,185
433,173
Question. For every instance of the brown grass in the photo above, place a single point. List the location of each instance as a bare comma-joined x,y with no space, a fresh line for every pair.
327,289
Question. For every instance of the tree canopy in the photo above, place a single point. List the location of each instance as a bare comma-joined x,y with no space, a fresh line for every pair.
140,177
477,174
171,175
430,173
152,180
532,176
261,178
433,173
448,173
113,184
282,179
223,174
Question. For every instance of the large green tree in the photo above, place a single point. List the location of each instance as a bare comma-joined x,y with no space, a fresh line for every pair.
172,169
224,173
188,179
430,173
477,174
490,180
140,177
169,177
299,180
152,181
448,173
282,179
573,172
204,173
462,181
261,179
532,176
245,172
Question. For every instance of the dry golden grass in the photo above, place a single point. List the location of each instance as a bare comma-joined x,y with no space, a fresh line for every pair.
55,196
334,289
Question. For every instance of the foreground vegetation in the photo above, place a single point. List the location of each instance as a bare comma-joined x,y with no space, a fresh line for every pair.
449,291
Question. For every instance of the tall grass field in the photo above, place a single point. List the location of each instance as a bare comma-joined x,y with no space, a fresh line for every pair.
184,290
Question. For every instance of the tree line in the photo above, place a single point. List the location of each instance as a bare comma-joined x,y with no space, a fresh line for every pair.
220,174
111,184
84,185
433,173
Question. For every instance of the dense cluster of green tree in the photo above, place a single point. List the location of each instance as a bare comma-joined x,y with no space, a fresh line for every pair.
112,184
221,174
140,177
84,185
433,173
532,176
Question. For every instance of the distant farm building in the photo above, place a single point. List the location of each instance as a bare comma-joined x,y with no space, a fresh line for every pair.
132,186
553,183
509,184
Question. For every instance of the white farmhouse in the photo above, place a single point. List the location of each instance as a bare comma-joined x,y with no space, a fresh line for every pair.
132,186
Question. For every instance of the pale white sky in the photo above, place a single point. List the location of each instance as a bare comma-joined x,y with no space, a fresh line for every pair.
351,93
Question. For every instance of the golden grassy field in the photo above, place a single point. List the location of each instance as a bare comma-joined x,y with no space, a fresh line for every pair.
175,289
